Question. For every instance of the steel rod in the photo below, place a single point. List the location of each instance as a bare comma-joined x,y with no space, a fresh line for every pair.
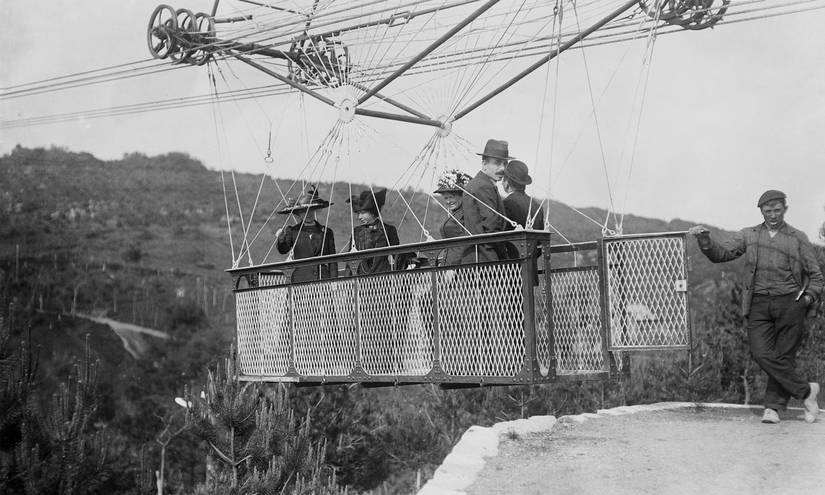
587,32
286,80
400,118
407,16
392,102
254,49
440,41
259,4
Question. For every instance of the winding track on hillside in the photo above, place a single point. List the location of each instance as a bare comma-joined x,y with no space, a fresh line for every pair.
126,332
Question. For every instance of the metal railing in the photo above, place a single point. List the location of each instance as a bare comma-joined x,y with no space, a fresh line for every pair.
473,323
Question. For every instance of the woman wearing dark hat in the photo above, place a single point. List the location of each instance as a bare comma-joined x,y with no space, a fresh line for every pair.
307,238
451,188
518,206
372,233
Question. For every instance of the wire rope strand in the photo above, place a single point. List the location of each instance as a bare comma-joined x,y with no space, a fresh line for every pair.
612,38
596,120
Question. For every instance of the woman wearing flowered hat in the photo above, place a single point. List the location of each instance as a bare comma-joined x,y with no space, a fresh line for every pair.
451,188
308,238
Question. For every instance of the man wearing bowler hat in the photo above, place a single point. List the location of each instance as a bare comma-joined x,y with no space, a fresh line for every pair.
482,205
518,206
782,282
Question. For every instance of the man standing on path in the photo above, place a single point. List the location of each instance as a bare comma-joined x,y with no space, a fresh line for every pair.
482,205
783,281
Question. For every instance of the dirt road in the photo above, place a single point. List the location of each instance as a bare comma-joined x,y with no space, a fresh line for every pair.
693,450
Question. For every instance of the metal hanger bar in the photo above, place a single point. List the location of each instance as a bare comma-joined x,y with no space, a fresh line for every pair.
392,102
286,80
395,116
587,32
440,41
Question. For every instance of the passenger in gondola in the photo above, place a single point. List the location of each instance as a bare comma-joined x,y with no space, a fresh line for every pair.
451,186
518,206
307,238
490,329
379,301
482,205
374,233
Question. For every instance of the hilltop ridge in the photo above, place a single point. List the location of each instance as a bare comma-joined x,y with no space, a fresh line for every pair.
59,199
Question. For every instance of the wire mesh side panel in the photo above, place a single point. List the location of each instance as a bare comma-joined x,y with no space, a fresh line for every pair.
481,320
414,321
544,347
647,292
577,320
325,331
396,323
263,332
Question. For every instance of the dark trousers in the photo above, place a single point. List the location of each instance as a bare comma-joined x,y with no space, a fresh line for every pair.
775,331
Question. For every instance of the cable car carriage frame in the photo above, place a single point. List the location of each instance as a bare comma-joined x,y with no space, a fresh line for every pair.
549,312
488,323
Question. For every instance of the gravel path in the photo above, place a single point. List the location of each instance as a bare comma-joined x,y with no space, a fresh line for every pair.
678,451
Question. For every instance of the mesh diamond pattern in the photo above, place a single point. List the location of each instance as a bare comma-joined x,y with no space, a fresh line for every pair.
263,332
325,332
396,323
481,317
544,351
646,310
577,321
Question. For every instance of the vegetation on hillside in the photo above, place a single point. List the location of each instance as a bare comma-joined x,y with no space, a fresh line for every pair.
142,240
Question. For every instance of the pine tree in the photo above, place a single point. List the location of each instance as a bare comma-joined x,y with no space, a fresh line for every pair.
53,449
255,445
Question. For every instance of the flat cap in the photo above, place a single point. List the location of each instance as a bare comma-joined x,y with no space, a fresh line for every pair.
770,195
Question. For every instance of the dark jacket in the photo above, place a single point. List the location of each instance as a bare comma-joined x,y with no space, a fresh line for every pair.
377,235
309,241
450,228
517,207
483,208
804,266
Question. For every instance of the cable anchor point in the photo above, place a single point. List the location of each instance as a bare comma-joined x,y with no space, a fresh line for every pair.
268,158
446,126
346,110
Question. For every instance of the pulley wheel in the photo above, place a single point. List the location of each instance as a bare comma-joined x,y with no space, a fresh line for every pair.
183,36
205,27
160,35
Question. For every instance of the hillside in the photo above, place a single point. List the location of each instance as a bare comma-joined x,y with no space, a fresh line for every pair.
167,212
143,241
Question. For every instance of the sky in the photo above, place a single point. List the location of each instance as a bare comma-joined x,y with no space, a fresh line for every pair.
727,113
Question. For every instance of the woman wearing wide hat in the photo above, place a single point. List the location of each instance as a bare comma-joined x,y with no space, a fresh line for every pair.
451,186
308,238
373,232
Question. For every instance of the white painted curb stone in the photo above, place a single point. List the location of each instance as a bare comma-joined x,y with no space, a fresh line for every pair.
463,464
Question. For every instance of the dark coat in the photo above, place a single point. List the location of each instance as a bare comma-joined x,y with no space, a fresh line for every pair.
376,235
480,203
452,227
517,206
804,266
309,241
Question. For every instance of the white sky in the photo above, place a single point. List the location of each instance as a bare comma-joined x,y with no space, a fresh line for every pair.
728,113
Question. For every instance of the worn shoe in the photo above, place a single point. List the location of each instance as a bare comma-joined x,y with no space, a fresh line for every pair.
770,416
811,405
